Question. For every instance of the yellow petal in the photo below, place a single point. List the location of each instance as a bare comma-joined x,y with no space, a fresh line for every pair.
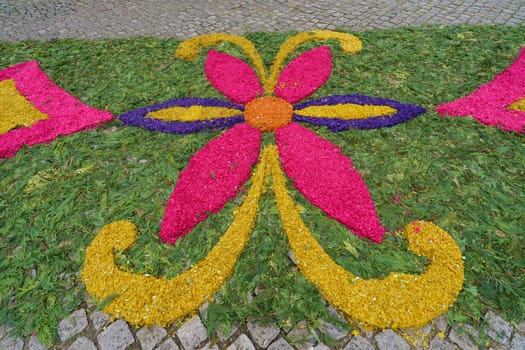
15,109
193,113
347,111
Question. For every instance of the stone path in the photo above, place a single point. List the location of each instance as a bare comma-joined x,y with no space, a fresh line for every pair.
48,19
86,329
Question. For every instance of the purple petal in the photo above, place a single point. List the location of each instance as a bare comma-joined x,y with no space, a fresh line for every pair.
138,117
405,112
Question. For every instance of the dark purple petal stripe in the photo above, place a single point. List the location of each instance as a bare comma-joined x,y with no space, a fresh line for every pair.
138,117
404,112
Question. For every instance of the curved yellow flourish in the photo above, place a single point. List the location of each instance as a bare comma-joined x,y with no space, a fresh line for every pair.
397,301
349,43
189,49
148,300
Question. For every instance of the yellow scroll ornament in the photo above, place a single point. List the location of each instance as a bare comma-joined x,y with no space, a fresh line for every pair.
397,301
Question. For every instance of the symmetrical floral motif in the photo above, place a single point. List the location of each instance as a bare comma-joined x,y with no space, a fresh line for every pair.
269,103
35,110
499,102
267,107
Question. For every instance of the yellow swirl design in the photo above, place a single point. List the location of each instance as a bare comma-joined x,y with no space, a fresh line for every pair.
189,49
397,301
148,300
349,43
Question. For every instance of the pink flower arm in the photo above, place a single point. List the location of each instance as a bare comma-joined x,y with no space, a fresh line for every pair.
233,77
328,179
213,176
304,75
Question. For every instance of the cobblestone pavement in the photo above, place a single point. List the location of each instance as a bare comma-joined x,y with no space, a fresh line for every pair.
48,19
87,329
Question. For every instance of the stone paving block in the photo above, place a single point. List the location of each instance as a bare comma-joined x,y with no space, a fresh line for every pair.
359,343
35,344
169,344
99,320
241,343
300,337
72,325
321,346
418,337
518,342
521,327
332,330
500,330
149,337
11,343
223,336
192,333
438,343
210,346
116,337
281,344
4,330
263,334
82,343
440,323
461,337
390,340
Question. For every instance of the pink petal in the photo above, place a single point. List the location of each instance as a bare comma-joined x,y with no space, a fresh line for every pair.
328,179
304,74
213,176
233,77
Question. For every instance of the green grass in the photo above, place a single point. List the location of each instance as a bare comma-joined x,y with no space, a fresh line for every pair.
466,177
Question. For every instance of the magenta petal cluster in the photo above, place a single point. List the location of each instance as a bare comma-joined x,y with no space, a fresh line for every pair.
489,103
233,77
304,75
328,179
67,114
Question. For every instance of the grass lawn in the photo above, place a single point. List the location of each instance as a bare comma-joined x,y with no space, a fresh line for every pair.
467,178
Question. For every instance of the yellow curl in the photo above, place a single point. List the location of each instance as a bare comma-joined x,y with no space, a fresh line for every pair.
397,301
15,109
148,300
349,43
189,49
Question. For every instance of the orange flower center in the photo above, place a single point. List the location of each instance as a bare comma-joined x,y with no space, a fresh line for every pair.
268,113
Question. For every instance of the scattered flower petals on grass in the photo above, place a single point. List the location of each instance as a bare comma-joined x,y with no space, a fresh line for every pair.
492,103
65,114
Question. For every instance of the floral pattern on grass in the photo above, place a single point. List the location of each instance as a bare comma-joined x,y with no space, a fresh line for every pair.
496,103
53,111
316,166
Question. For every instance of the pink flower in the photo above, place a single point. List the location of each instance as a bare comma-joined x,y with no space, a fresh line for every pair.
316,166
